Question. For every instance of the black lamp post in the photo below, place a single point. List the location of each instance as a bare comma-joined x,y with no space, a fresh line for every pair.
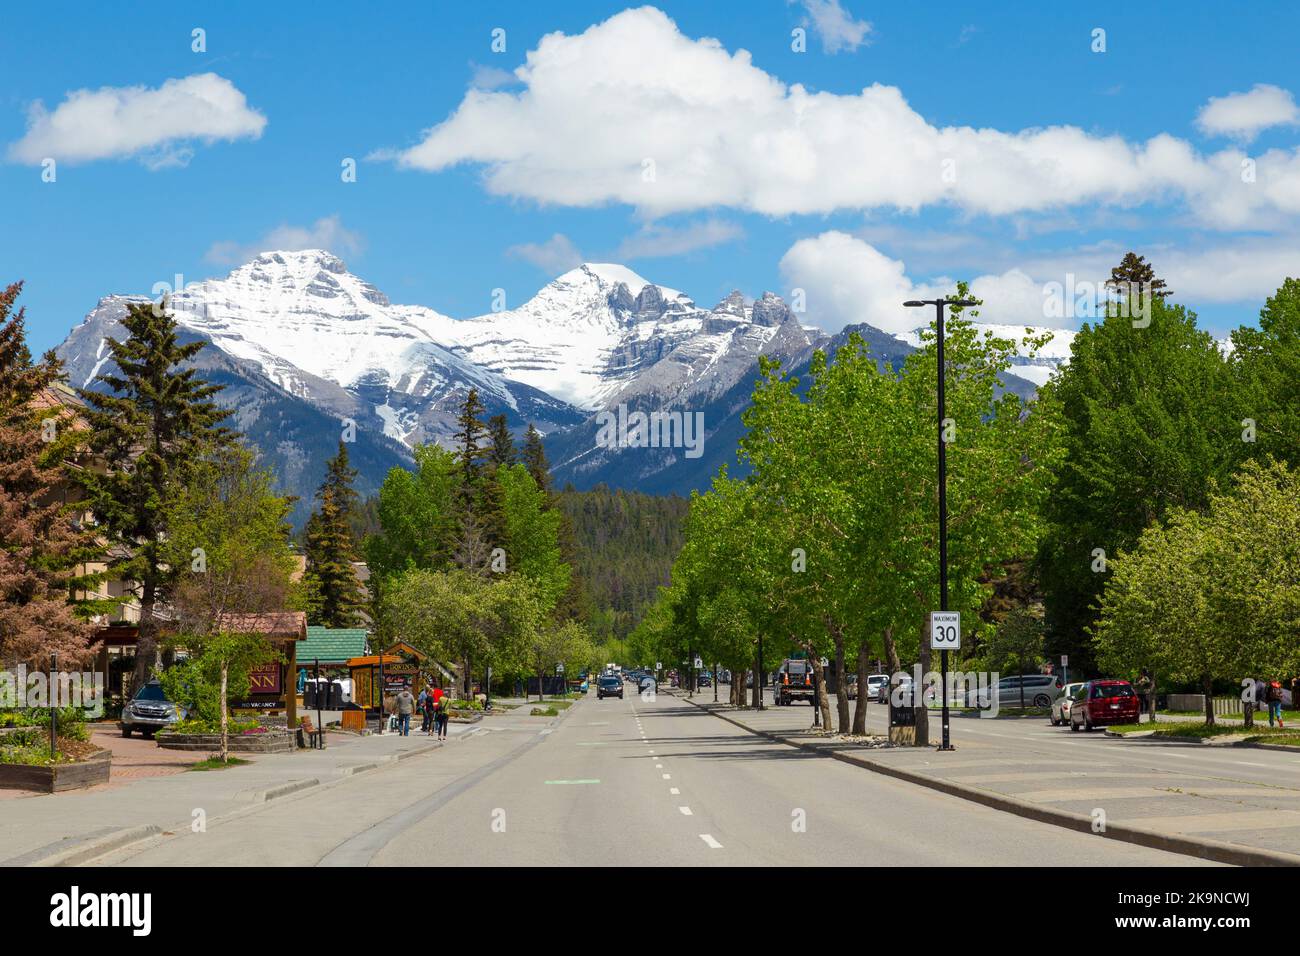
943,490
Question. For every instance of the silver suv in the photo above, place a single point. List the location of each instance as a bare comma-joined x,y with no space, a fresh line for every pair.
149,711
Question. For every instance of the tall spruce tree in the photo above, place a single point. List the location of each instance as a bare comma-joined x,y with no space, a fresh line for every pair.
501,453
469,436
39,542
148,431
333,593
535,459
1134,274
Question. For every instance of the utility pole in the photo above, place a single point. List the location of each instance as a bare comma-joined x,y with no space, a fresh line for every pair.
943,489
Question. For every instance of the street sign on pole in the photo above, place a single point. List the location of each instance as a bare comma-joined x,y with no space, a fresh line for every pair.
698,663
1065,660
945,630
659,665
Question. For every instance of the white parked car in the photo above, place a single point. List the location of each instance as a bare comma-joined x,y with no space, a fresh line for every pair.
1061,706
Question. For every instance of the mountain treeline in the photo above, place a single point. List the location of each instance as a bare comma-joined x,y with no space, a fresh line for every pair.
624,546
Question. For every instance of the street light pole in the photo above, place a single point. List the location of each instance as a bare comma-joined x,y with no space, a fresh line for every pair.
943,490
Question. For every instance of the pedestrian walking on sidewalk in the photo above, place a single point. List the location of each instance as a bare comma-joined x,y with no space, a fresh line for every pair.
1146,687
1273,694
443,715
405,707
425,705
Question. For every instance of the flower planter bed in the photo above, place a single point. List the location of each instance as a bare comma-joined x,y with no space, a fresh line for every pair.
272,742
57,777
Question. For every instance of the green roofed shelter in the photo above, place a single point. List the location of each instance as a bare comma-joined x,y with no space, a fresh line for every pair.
333,646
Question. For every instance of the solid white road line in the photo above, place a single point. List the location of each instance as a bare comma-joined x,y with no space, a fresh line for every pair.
713,844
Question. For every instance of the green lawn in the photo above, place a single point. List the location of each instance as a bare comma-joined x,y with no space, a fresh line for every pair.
1198,730
215,763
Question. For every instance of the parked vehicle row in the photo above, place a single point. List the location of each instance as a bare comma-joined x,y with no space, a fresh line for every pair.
1097,703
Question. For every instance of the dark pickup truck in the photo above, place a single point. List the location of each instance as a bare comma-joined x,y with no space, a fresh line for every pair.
794,681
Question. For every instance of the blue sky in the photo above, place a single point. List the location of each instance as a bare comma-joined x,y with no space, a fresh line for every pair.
837,193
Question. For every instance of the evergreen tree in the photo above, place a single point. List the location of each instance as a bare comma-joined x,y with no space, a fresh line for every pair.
535,459
502,453
147,433
38,540
333,594
469,443
1135,274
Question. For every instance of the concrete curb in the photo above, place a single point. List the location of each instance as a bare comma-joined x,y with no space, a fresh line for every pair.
1203,848
281,790
86,849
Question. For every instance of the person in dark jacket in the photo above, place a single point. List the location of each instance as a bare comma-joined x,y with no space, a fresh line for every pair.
1273,695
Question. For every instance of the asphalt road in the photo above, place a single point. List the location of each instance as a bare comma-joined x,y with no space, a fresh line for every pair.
628,782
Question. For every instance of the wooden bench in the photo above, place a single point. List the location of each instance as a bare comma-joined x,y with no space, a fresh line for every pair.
310,735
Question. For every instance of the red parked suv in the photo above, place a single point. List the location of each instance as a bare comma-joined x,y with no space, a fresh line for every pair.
1101,702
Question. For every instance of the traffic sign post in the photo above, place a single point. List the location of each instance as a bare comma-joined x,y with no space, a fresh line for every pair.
945,636
943,473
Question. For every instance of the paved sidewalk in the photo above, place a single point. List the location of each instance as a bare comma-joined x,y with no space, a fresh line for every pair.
1251,813
53,828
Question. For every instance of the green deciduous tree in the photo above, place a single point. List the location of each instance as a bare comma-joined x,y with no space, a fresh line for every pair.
229,535
1214,594
1267,362
1152,420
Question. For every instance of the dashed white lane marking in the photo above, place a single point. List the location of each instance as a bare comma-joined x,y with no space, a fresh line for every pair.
686,811
659,766
674,791
668,776
713,844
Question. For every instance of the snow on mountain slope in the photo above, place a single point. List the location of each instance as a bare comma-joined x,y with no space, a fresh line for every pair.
334,340
1037,368
577,338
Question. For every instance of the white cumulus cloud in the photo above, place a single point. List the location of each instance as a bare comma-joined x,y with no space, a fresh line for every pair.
1244,115
633,111
836,26
156,125
847,281
327,233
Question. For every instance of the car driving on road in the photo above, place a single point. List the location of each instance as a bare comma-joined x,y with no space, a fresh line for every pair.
793,682
609,686
1101,702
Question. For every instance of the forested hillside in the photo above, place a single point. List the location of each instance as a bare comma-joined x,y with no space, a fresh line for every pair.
625,542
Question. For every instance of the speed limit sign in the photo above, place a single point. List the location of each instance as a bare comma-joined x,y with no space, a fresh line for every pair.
945,630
